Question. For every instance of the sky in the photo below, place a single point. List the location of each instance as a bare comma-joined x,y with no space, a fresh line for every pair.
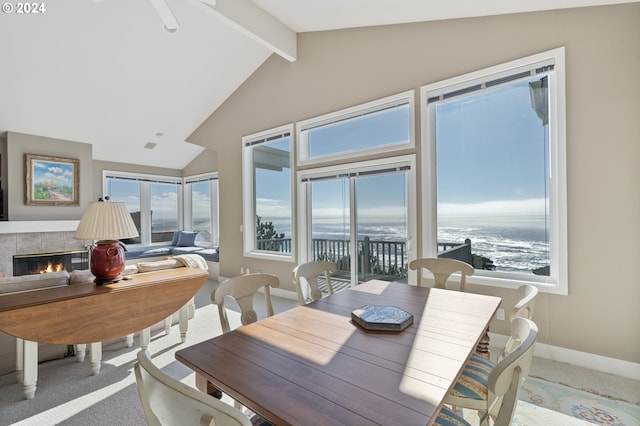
491,151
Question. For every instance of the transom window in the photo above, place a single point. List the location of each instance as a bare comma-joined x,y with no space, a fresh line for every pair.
379,126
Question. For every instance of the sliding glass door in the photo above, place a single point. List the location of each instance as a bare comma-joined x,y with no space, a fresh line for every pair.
359,219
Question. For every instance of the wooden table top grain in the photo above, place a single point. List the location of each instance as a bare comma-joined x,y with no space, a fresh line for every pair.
82,313
312,365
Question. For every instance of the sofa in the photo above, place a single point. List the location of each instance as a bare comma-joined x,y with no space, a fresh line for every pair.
27,283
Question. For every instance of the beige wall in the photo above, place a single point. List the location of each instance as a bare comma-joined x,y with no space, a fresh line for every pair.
13,181
19,144
206,162
338,69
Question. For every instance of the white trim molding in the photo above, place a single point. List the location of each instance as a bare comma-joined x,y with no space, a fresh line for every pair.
601,363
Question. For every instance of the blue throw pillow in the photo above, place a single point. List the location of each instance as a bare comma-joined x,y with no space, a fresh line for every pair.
174,240
187,239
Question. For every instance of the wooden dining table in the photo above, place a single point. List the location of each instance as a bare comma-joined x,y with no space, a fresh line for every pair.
312,365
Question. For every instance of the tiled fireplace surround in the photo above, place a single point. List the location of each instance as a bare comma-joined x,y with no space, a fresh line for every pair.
42,241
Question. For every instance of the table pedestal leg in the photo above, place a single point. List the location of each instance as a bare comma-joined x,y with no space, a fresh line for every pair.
205,386
167,326
95,357
30,372
81,351
184,322
145,338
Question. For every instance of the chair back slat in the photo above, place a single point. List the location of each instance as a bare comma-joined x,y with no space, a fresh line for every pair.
442,269
305,277
242,289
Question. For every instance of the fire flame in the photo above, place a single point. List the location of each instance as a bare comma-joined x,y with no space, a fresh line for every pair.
52,268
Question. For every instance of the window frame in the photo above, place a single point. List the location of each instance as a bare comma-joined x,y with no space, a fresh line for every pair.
557,282
188,205
357,166
407,97
145,199
249,201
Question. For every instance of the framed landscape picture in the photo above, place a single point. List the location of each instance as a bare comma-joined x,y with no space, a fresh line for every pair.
51,181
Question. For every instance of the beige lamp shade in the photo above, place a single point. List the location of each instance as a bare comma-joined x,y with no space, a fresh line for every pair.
104,220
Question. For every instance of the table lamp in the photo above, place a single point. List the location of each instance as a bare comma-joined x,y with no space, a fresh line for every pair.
106,222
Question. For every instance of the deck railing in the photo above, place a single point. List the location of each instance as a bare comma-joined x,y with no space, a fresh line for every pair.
378,257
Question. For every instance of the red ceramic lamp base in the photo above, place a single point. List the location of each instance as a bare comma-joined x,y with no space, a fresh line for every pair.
107,262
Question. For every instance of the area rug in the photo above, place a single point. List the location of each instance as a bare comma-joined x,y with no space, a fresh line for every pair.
582,405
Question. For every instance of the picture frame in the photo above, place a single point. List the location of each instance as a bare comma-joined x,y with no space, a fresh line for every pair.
52,181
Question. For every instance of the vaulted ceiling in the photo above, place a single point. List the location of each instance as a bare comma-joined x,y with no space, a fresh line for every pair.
108,73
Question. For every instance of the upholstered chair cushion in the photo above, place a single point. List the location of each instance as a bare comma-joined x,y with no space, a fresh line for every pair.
447,417
473,380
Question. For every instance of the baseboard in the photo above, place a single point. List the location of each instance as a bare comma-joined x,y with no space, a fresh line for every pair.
285,294
581,359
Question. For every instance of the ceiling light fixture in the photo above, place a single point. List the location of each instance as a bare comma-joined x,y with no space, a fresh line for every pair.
163,11
150,145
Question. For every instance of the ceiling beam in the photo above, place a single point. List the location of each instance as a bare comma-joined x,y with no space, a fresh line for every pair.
255,23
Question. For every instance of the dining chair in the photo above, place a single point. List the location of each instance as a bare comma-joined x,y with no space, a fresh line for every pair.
166,401
306,276
526,296
441,269
242,289
493,389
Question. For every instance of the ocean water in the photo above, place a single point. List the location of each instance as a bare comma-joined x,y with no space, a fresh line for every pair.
514,245
512,249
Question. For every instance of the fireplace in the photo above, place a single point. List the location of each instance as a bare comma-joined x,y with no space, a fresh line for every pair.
39,263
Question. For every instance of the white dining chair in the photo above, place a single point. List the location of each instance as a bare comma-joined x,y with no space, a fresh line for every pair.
306,276
523,308
168,402
493,389
242,289
442,269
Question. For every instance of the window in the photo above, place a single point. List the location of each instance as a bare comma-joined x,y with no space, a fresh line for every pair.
153,202
496,182
201,207
380,126
267,183
359,214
